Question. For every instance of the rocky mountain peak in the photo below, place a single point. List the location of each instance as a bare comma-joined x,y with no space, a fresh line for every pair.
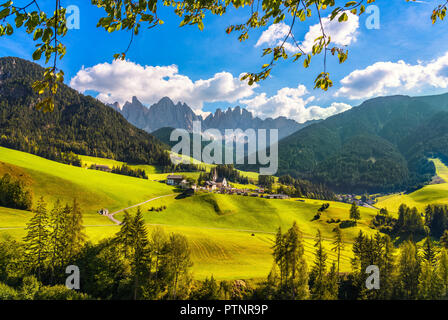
167,114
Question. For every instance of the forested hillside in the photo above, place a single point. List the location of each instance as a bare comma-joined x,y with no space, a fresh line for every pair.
79,124
382,145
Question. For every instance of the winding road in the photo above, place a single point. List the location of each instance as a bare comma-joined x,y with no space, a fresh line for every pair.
111,215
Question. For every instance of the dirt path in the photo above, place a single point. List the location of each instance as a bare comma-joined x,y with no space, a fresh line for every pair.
111,215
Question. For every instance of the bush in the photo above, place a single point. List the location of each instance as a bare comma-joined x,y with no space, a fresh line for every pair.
13,194
7,293
59,292
347,224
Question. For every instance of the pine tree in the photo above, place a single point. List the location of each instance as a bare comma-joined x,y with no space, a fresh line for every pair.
409,270
319,270
354,212
76,237
124,236
430,285
338,244
141,261
332,284
429,251
37,239
444,239
297,270
57,241
442,270
279,255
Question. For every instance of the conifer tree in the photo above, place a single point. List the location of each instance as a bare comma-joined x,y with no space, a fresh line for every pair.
319,270
338,244
75,235
141,260
354,212
442,270
37,239
124,236
409,270
57,236
430,285
296,267
429,251
444,239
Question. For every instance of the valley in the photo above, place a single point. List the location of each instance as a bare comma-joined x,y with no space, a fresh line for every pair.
234,245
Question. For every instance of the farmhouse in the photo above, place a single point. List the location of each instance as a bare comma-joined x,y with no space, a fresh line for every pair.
174,180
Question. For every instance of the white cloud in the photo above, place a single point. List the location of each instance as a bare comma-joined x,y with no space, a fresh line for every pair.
121,80
341,33
291,103
384,78
273,33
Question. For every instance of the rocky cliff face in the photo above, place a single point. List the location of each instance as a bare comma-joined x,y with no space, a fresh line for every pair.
162,114
243,119
167,114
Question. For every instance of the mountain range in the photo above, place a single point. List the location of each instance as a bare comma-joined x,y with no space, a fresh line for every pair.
166,114
381,145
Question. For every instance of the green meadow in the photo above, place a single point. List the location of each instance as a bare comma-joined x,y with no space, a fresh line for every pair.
430,194
230,236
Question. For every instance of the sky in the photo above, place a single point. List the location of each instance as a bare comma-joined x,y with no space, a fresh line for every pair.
406,55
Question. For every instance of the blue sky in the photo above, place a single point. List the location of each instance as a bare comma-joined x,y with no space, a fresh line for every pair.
202,68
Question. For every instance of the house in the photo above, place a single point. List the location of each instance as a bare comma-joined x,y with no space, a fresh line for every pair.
210,185
221,183
185,184
174,180
103,212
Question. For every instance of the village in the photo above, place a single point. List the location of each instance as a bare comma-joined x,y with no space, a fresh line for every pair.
220,185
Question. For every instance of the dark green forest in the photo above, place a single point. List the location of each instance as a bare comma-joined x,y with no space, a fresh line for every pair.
380,146
80,124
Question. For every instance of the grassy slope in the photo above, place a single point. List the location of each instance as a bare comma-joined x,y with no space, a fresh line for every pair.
219,227
93,189
430,194
154,172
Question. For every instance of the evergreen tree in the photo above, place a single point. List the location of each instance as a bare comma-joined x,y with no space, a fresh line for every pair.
338,244
319,270
37,239
430,285
355,215
124,236
75,236
409,270
444,239
141,260
429,251
442,270
297,272
58,236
